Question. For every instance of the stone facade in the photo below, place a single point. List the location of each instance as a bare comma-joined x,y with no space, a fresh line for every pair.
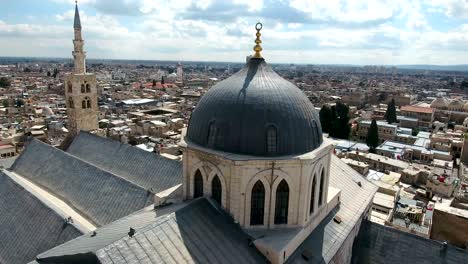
239,173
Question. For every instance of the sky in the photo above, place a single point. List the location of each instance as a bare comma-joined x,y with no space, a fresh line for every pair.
372,32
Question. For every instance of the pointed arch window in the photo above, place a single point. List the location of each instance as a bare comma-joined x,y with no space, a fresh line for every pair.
86,103
257,204
88,88
70,103
312,195
70,87
198,185
282,203
83,89
211,134
272,139
216,189
322,183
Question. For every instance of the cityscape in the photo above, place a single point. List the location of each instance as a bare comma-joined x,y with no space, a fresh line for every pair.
235,152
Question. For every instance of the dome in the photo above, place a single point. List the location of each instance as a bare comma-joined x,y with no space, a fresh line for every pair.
455,103
465,106
439,102
256,112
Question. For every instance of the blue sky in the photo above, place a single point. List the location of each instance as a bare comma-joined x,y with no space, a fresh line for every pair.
297,31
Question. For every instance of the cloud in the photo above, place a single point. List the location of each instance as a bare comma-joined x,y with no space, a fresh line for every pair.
300,31
451,8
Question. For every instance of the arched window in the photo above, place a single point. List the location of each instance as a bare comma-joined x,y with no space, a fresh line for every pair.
86,103
211,134
322,183
216,189
70,87
312,195
70,103
272,140
257,204
282,203
88,88
83,88
198,185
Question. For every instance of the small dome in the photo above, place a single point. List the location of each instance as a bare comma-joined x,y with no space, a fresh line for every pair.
439,102
465,106
256,112
455,103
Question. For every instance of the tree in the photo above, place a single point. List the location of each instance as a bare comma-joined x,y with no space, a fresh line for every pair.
326,118
6,103
19,103
154,83
48,74
373,136
464,84
4,82
382,97
56,71
390,114
340,127
342,121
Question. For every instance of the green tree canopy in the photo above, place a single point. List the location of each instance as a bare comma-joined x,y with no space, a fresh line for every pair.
4,82
390,114
340,127
326,118
373,136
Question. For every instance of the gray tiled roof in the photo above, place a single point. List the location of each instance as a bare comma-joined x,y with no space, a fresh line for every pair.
27,226
380,244
196,232
328,236
146,169
100,196
6,163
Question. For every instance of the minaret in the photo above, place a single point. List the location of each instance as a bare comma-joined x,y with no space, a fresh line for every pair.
80,90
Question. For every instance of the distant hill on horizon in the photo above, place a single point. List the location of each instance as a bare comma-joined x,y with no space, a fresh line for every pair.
430,67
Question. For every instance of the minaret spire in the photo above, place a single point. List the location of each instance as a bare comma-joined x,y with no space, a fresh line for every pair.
77,23
78,53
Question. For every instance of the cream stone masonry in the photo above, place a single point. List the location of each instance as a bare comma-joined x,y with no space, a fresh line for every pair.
81,89
238,174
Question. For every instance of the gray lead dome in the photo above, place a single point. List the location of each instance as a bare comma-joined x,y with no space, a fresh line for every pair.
256,112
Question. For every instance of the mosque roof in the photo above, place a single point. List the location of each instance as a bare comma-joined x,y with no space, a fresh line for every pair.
28,226
143,168
238,111
101,197
255,112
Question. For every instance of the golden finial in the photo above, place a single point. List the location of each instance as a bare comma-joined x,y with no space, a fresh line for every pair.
257,48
